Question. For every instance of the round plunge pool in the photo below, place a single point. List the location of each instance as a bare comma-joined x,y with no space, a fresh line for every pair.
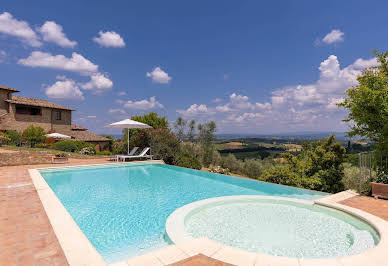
279,227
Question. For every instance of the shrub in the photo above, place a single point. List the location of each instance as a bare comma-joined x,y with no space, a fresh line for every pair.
319,166
103,153
4,138
351,177
232,163
119,148
87,151
189,162
73,145
34,135
165,146
65,145
41,145
14,136
255,167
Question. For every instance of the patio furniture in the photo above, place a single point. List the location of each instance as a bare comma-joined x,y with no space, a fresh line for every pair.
142,155
117,157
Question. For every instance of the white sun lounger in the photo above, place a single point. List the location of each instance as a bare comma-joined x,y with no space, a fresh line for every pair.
139,156
118,157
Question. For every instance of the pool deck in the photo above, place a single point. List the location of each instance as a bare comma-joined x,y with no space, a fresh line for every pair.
28,238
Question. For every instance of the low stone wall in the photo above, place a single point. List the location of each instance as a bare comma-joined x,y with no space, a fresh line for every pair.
24,157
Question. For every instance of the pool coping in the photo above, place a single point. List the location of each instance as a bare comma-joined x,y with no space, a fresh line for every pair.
79,250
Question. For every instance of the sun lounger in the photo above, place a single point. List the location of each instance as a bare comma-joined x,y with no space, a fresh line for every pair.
118,157
143,154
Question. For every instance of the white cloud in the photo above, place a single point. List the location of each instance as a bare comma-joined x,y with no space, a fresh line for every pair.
91,116
109,39
196,110
245,116
64,89
159,76
292,108
122,93
3,55
333,37
98,83
76,63
18,28
143,104
52,32
116,111
216,100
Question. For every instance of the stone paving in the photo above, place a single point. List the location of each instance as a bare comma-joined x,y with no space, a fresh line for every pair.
26,235
200,260
378,207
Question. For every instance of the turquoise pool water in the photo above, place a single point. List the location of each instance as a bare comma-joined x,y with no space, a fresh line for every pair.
122,209
281,228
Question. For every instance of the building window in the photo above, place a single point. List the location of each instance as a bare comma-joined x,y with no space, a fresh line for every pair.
58,115
27,110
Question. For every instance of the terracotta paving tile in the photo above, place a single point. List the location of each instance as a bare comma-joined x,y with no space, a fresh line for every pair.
378,207
200,260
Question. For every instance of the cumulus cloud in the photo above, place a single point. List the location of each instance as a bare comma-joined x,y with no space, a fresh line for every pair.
66,89
291,108
109,39
98,83
76,63
18,28
196,110
333,37
52,32
122,93
143,104
216,100
159,76
116,111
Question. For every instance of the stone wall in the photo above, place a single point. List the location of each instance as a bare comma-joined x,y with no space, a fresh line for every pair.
24,157
19,122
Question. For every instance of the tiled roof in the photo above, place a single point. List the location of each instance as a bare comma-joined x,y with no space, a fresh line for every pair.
86,136
76,127
36,102
8,89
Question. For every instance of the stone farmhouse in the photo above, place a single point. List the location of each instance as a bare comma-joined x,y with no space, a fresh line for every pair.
17,113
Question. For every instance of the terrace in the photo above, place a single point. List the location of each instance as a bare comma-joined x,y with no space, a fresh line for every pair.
27,236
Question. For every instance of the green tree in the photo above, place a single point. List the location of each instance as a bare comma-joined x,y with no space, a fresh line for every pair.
111,141
180,128
367,103
206,137
152,119
191,131
318,166
34,135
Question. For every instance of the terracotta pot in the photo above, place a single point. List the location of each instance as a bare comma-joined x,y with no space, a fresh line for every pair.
59,159
379,190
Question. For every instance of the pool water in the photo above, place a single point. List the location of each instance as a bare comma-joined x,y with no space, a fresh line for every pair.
122,209
281,228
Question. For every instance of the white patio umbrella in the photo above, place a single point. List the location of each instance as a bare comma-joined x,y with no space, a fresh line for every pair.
58,136
128,124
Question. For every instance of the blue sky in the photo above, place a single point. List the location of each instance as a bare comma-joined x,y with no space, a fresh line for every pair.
252,66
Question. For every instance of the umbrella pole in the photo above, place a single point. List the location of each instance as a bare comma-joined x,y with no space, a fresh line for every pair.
128,140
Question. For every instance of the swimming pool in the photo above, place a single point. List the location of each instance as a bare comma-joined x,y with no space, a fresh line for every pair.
122,208
273,225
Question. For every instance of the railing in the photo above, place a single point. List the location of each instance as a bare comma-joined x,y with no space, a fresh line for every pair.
370,163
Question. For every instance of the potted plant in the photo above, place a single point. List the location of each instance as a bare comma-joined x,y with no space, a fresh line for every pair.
380,185
59,158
